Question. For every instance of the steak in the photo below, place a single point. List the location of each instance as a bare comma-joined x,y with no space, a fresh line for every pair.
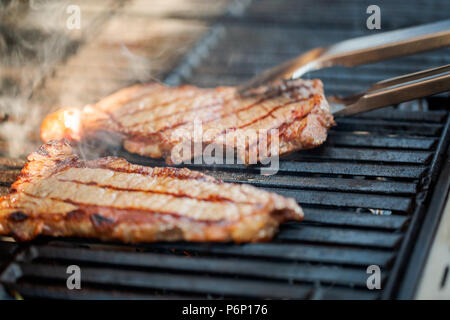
158,121
58,194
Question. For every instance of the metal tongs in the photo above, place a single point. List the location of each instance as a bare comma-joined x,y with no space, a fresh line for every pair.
368,49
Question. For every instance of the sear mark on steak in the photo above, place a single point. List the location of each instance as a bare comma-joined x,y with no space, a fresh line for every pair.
101,222
18,216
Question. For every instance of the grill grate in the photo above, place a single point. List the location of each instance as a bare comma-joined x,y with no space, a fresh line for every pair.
364,192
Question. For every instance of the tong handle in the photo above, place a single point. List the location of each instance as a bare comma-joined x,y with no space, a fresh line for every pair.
396,90
381,46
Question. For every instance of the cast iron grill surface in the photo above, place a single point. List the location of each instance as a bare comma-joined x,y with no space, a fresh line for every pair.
364,193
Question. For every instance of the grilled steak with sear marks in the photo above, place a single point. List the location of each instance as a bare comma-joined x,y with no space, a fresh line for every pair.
58,194
151,120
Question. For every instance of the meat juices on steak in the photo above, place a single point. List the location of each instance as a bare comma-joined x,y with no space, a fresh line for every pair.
58,194
152,119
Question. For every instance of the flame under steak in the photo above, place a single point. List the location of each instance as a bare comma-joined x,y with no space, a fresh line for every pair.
58,194
152,119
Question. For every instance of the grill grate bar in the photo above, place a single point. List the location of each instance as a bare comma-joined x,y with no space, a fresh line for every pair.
354,219
346,139
316,183
342,199
403,115
353,169
398,127
362,154
363,238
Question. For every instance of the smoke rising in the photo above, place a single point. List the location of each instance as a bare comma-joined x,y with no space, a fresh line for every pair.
40,72
31,43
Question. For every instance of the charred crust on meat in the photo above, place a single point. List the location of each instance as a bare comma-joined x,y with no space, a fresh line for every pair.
62,163
101,222
75,215
43,151
18,216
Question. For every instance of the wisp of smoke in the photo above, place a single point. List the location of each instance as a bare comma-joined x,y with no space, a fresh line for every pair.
29,49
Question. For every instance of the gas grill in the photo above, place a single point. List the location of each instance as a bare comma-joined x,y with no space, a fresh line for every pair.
369,193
